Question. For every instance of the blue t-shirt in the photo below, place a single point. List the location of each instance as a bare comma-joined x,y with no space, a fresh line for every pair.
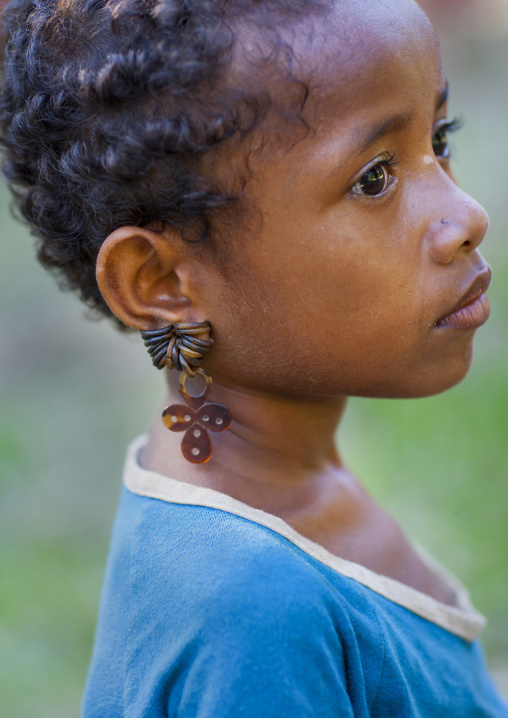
211,609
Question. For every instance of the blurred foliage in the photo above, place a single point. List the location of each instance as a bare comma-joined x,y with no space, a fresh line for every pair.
73,393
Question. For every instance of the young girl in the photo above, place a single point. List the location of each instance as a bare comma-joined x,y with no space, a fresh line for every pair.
264,190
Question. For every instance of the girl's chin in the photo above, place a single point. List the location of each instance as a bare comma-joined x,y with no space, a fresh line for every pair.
439,381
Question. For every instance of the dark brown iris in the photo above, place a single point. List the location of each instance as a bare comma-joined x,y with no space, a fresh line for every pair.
374,181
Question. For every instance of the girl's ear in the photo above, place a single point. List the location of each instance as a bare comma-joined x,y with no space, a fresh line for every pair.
143,277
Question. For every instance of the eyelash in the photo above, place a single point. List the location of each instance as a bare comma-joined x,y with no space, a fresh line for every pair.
453,125
391,162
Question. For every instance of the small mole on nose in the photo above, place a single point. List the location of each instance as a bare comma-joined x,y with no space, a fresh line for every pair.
443,221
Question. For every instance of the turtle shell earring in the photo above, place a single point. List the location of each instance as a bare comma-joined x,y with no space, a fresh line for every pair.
183,347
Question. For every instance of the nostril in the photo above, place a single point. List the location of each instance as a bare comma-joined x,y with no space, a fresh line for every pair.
467,243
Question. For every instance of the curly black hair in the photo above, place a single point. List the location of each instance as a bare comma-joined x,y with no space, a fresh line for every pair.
109,107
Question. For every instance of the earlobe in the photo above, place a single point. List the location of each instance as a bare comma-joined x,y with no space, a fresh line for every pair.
138,275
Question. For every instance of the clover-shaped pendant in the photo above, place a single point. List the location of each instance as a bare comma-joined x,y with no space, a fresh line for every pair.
196,419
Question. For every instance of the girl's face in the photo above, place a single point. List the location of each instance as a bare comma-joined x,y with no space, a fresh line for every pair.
366,242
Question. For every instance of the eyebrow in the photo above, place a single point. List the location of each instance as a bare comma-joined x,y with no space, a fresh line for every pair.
393,124
443,96
398,122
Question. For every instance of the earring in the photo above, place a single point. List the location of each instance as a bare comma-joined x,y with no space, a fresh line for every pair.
177,346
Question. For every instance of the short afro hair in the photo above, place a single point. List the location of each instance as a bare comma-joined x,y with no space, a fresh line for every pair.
108,108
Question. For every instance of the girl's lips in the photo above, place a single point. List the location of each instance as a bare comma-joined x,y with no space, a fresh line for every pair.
473,309
472,316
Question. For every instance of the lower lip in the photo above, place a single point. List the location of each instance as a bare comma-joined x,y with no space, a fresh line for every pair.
471,316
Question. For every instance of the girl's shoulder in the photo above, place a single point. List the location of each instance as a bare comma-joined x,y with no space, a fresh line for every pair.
207,536
186,535
210,611
209,555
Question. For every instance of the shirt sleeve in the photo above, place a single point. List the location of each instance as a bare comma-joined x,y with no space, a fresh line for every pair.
268,648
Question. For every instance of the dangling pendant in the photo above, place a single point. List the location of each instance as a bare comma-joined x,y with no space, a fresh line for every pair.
182,346
196,419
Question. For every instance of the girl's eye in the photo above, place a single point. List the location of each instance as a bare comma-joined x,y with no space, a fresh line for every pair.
375,181
440,142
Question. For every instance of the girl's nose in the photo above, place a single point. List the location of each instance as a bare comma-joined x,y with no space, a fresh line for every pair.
460,228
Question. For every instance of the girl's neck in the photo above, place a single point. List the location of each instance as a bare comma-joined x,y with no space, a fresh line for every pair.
276,448
279,455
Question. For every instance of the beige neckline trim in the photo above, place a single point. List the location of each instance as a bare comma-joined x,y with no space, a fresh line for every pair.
462,620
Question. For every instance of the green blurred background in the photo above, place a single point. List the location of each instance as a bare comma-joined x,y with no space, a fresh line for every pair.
73,393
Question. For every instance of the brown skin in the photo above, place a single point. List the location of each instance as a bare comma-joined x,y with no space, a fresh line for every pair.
335,293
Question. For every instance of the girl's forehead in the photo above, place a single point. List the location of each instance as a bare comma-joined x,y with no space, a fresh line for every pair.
347,56
385,23
364,52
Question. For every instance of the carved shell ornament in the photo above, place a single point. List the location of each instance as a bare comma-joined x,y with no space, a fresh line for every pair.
178,346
